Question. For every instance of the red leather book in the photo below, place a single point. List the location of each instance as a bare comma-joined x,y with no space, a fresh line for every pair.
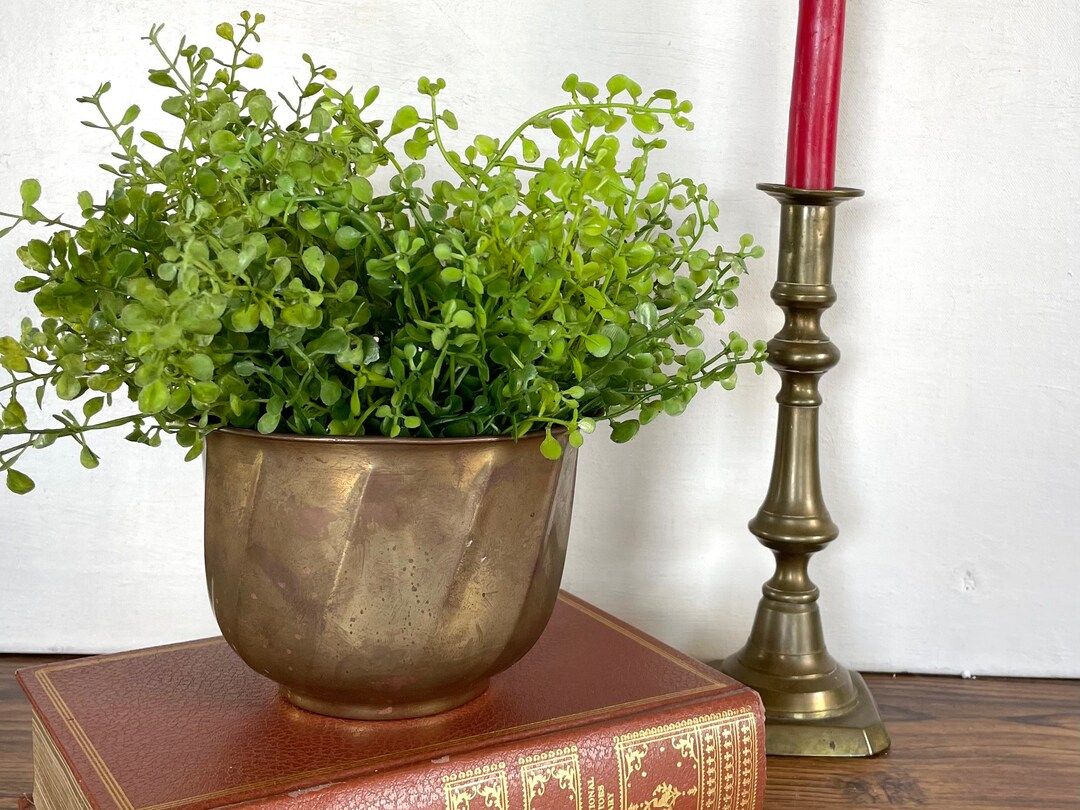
598,716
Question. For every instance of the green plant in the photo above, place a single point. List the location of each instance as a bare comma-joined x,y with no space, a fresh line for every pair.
281,266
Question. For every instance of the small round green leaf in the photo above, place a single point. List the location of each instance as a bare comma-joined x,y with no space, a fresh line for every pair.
647,123
19,483
154,397
88,458
598,345
223,142
30,191
268,422
485,145
347,237
205,392
404,118
551,448
68,386
92,407
361,190
199,366
463,319
624,431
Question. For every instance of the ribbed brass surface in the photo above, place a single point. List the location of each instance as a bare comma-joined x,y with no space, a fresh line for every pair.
813,706
383,578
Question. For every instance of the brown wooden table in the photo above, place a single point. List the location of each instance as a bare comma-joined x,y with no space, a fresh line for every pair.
983,743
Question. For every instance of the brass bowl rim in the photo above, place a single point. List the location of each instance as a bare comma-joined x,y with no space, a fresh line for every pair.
412,440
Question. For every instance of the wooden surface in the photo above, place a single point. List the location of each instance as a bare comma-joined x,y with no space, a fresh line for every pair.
983,743
16,771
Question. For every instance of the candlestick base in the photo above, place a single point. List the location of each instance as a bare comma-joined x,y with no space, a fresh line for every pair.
813,706
855,731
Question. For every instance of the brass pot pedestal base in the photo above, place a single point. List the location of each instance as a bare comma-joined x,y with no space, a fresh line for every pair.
397,711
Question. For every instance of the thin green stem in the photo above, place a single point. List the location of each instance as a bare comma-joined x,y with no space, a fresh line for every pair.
450,161
71,431
575,107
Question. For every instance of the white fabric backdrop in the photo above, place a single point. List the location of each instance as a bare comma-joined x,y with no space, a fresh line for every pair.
950,437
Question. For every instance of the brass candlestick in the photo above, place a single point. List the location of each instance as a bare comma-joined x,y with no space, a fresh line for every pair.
813,706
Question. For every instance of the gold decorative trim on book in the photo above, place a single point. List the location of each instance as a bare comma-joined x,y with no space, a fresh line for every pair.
118,795
487,785
695,756
552,780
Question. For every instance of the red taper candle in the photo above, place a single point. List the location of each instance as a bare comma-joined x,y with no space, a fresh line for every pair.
815,94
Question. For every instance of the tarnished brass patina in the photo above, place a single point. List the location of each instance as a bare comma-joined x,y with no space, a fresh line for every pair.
383,578
813,706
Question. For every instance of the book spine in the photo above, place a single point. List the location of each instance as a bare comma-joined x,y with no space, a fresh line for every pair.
708,755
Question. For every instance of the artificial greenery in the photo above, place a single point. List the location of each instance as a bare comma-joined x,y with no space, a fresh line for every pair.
280,263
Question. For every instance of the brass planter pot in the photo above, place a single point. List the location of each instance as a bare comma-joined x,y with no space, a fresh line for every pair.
383,578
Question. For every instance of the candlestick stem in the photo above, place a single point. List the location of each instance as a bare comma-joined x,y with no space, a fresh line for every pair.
813,706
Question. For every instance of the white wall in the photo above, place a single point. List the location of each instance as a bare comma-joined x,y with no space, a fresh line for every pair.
950,442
